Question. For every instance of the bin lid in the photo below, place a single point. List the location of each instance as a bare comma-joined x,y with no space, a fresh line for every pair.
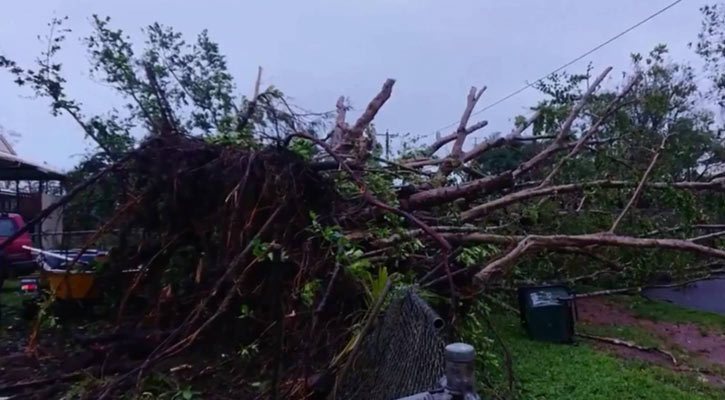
546,296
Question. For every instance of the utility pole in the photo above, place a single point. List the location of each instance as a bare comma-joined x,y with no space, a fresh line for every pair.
387,142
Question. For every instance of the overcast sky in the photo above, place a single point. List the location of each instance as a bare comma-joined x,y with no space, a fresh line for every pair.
315,51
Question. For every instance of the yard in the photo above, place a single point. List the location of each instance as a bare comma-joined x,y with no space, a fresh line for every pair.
593,370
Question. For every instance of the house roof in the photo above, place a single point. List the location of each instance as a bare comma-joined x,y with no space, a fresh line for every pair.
14,168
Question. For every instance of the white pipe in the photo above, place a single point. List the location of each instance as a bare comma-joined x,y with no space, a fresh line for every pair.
51,254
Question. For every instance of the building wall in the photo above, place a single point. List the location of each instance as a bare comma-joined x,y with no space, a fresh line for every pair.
52,224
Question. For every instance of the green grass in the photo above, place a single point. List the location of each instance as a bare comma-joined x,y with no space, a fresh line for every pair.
578,372
11,304
662,311
10,299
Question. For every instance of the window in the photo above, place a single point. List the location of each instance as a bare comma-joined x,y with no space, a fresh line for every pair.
7,227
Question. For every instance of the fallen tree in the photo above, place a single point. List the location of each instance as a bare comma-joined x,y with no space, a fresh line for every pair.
277,228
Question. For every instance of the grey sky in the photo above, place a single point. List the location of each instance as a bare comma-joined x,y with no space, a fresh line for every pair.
315,51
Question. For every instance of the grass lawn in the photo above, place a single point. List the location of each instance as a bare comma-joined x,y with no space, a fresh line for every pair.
577,372
10,298
662,311
10,301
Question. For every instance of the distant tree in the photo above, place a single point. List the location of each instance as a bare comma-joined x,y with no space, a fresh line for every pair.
168,84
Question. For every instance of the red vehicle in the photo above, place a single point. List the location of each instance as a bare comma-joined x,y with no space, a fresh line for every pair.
14,259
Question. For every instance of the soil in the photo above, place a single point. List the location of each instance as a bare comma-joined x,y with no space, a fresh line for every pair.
705,349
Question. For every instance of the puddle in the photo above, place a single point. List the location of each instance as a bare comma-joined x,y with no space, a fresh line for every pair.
704,295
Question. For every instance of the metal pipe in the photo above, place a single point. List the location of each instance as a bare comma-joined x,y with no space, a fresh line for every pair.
51,254
433,318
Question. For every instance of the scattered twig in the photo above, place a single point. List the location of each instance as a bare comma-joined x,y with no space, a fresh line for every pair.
607,292
40,382
707,236
620,342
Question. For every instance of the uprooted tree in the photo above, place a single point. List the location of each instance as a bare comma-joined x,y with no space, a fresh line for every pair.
261,224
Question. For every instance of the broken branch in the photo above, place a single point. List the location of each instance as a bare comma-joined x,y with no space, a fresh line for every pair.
620,342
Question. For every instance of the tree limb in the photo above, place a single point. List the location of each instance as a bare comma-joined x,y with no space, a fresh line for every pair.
500,263
559,241
707,236
347,139
448,193
620,342
525,194
449,138
563,131
609,110
498,142
373,107
473,97
641,184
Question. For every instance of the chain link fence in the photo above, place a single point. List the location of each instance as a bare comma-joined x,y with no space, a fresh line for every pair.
402,355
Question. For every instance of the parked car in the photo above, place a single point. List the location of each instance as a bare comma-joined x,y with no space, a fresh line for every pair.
15,259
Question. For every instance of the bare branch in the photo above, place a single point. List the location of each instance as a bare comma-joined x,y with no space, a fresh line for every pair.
258,83
244,118
449,138
637,191
423,163
631,345
348,140
473,97
563,131
498,142
609,110
525,194
401,166
558,241
448,193
707,236
373,107
486,184
534,138
338,133
500,263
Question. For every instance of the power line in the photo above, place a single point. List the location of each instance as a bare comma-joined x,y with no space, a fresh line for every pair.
610,40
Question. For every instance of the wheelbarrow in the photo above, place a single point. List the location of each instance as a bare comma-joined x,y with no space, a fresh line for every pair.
74,282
